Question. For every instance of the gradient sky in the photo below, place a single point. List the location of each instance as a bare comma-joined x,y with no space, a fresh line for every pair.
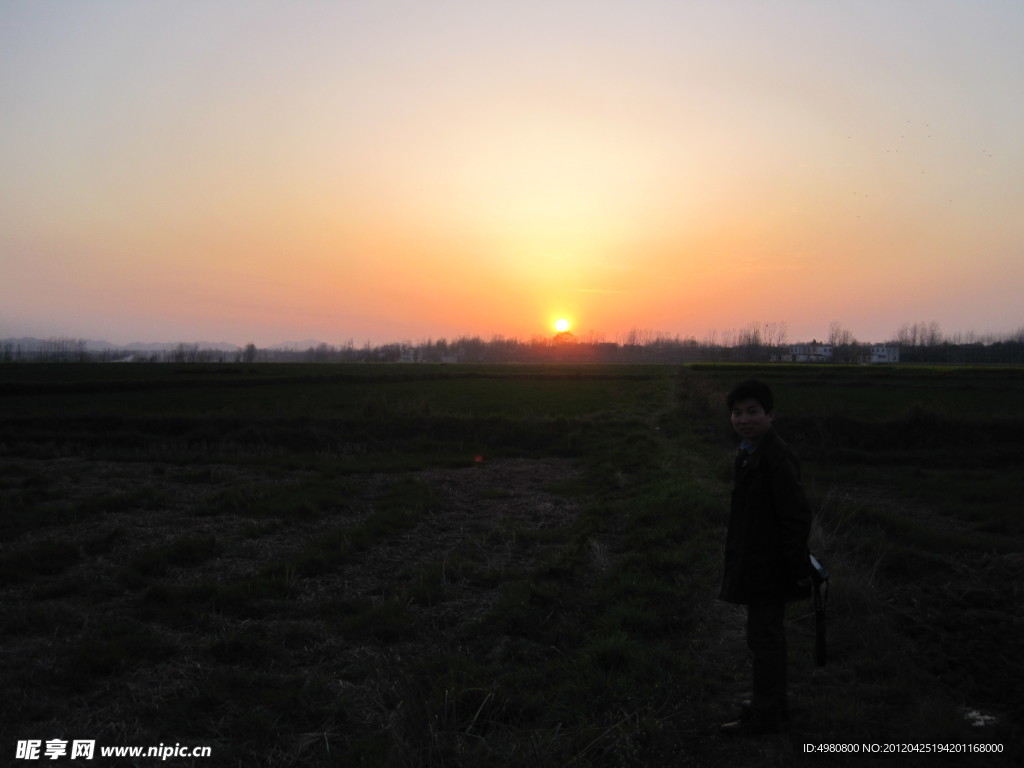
390,170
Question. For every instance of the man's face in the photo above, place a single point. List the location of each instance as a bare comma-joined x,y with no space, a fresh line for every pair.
749,419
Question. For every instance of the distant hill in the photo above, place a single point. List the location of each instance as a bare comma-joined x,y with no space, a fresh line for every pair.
32,344
157,346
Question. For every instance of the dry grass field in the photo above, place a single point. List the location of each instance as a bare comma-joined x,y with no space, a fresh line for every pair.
504,566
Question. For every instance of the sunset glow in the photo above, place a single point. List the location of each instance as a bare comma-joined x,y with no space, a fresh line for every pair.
265,171
561,325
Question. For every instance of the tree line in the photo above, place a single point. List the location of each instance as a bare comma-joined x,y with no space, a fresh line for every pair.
756,342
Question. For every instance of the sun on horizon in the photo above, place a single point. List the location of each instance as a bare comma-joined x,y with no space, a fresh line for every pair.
562,325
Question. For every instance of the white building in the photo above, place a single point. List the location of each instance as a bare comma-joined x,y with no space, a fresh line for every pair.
882,353
815,352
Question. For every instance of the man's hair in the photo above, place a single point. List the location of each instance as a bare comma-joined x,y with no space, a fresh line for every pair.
752,390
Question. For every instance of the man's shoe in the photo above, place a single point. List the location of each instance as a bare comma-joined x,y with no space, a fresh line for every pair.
754,723
747,709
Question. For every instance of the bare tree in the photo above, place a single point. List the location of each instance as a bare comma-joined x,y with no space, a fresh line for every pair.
920,334
184,353
775,333
839,335
750,336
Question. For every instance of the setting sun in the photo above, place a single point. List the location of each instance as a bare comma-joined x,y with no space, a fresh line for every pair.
561,325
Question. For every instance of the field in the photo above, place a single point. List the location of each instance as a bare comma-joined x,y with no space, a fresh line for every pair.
390,565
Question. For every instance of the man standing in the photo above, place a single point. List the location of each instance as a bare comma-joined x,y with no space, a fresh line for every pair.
766,555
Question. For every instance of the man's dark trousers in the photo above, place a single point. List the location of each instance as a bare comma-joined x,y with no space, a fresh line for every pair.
766,639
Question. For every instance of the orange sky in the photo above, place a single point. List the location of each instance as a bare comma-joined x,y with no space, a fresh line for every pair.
264,171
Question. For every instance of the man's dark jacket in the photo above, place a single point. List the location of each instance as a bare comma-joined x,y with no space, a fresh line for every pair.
769,521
